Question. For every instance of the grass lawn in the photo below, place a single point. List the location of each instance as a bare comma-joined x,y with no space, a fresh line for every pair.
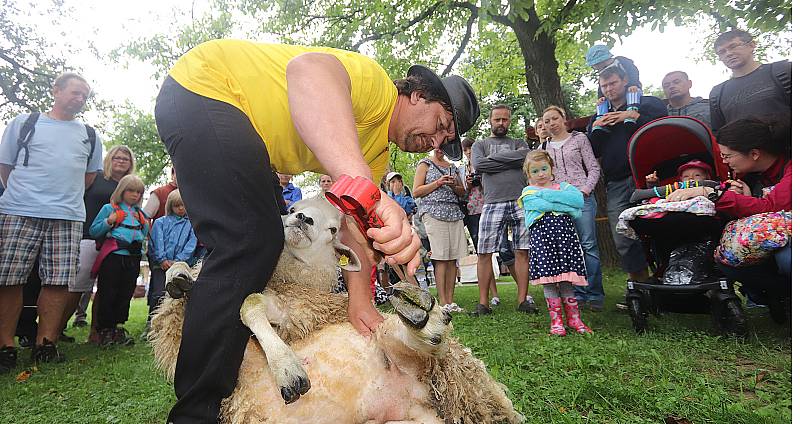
679,370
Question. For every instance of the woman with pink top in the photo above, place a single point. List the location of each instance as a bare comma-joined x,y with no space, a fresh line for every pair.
575,164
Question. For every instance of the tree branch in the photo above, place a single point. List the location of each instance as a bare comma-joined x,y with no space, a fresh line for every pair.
18,65
464,41
500,19
564,13
377,36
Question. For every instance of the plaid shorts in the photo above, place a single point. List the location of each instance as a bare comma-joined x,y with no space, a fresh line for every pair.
493,227
56,241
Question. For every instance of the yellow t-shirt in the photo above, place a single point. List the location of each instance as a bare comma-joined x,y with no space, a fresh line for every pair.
252,77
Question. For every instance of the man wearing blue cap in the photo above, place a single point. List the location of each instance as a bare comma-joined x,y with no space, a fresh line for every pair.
599,57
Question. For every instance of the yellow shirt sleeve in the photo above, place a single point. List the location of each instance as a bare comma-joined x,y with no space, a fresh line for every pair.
252,77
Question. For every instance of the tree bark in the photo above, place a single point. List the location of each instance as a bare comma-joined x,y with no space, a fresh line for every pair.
541,66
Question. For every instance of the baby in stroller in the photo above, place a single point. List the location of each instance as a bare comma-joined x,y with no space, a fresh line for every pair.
693,170
679,234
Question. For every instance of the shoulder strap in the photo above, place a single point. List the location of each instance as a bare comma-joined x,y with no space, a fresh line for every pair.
25,135
714,100
782,77
92,141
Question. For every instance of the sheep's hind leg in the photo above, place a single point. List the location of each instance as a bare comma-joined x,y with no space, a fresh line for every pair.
286,368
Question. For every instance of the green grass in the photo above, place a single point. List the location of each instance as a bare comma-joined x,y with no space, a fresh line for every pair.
679,369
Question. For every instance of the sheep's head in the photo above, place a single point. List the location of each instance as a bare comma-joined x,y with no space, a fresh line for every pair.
311,233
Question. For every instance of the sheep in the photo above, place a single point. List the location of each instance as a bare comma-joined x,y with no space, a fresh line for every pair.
411,370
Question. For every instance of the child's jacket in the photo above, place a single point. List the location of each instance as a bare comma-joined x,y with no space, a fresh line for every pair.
172,239
129,231
536,201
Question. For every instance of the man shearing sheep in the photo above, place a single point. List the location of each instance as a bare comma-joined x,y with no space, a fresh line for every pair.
232,112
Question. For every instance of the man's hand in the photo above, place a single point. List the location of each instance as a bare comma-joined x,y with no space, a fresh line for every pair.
165,264
613,118
396,239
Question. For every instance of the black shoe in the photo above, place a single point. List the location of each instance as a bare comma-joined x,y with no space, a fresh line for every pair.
528,307
46,352
80,324
481,309
106,336
121,337
63,337
596,305
25,341
8,359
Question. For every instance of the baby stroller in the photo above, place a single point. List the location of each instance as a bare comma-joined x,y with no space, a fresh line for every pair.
662,146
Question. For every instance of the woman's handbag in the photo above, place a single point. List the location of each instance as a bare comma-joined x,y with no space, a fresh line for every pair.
751,240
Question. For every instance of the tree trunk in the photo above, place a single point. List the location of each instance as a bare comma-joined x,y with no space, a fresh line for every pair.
541,66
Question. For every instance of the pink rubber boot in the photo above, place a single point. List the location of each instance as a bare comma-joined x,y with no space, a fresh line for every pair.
556,324
574,316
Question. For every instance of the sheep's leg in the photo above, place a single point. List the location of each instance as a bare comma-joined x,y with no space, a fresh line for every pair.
180,278
286,368
426,324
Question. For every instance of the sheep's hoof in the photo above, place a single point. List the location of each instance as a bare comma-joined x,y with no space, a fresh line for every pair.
179,285
412,304
292,392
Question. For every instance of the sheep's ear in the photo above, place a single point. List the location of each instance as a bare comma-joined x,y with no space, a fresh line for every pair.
345,257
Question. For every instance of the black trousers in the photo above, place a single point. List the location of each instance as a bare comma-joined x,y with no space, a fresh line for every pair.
116,282
228,187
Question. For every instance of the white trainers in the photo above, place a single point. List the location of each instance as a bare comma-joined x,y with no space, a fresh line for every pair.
495,301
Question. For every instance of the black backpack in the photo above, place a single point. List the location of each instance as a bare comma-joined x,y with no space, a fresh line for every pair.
29,127
781,73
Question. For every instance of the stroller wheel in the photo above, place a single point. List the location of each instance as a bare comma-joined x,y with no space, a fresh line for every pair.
638,315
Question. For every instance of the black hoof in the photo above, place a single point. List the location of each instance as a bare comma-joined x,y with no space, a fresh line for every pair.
293,392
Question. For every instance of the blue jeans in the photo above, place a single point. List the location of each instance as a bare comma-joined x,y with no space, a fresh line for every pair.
587,232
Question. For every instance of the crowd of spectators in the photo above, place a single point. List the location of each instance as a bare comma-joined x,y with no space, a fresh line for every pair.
71,218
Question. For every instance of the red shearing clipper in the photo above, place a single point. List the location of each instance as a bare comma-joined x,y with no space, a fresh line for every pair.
357,198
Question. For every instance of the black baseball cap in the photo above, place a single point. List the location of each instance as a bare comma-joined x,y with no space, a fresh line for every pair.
461,99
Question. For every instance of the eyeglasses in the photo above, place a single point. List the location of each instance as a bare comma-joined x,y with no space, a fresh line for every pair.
727,156
730,47
120,159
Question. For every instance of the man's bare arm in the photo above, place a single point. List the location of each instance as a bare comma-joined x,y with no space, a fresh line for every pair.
322,112
5,171
88,179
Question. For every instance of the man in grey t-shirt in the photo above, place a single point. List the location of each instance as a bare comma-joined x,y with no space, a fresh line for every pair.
754,88
680,102
499,161
42,212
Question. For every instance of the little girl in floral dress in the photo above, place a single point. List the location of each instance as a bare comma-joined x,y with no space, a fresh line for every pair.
556,257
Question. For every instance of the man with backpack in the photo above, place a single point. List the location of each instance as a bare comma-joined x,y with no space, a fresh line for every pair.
46,162
754,88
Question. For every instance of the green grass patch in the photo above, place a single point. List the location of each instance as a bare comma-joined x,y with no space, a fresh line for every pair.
679,369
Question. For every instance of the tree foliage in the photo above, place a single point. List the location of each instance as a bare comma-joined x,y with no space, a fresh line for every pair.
510,45
28,62
137,130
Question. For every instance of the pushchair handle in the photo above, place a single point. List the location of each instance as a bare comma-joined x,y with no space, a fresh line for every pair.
663,191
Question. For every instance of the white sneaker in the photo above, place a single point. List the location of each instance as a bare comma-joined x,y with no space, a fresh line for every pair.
455,308
529,298
446,307
495,301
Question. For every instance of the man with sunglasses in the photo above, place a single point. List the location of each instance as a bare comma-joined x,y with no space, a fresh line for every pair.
754,88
